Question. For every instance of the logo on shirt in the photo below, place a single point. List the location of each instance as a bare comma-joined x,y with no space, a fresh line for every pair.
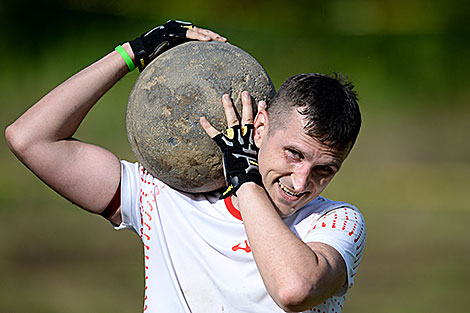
246,248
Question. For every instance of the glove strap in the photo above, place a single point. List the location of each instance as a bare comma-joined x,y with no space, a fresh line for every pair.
141,56
156,41
237,181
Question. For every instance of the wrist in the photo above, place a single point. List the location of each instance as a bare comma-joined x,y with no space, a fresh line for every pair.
129,51
249,185
126,54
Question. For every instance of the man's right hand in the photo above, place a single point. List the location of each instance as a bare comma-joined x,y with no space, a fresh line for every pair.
153,43
240,154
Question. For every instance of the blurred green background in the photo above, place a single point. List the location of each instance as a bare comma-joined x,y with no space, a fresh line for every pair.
408,173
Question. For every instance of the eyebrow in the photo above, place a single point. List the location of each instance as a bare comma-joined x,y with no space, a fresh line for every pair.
334,163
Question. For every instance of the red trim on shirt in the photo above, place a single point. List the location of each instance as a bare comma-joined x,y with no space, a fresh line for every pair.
114,205
231,208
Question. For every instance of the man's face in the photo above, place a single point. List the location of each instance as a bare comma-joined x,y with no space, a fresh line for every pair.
295,167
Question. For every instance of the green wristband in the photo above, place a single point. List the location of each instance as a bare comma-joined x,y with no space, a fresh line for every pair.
126,57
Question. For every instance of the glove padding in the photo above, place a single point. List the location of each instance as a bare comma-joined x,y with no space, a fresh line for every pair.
153,43
240,156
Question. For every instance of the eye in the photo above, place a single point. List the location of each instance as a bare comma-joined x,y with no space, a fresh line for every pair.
294,154
324,170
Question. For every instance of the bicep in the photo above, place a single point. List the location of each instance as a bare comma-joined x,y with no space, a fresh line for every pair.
85,174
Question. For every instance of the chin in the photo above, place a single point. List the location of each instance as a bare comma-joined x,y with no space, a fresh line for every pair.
285,210
282,215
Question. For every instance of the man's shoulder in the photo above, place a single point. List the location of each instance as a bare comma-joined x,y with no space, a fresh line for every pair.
318,208
137,172
323,205
142,180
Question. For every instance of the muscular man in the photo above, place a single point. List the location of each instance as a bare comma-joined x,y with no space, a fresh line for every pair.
269,243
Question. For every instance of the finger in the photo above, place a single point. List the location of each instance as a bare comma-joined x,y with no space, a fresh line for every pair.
229,110
195,34
203,34
208,128
247,114
212,35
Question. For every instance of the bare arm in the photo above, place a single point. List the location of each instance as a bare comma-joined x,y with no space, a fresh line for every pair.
297,275
41,138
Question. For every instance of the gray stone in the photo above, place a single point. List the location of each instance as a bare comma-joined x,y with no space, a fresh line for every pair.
170,96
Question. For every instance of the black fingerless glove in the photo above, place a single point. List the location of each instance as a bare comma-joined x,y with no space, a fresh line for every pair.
153,43
240,156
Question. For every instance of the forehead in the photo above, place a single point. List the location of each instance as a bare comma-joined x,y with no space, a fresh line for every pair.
290,132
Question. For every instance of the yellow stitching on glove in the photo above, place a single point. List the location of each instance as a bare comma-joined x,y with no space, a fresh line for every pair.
230,133
228,190
244,130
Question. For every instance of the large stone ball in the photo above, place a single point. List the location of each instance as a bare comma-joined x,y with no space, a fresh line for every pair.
170,96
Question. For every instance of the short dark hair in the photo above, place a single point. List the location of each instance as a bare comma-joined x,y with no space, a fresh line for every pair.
329,104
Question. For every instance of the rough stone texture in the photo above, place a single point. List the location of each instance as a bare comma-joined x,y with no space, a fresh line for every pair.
170,96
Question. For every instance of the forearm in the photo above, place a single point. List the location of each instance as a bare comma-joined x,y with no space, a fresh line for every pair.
85,174
290,269
58,114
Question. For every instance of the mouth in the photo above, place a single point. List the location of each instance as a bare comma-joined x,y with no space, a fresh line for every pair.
289,192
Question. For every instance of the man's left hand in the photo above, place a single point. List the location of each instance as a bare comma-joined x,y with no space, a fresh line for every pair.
161,38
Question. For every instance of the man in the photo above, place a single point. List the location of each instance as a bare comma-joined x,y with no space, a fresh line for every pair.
272,244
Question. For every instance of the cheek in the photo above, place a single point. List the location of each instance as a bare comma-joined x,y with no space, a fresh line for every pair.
266,161
272,167
322,182
263,162
271,161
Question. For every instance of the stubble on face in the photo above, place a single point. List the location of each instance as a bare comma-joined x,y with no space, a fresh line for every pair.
287,156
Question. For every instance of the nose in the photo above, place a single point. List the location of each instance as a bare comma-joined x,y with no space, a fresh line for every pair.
301,178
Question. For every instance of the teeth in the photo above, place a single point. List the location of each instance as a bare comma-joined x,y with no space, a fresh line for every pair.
290,193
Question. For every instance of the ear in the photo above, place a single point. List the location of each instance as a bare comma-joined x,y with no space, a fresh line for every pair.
261,124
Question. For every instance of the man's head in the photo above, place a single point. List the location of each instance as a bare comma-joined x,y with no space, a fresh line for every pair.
328,104
304,135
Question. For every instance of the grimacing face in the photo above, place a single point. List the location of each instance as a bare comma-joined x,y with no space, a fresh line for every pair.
294,166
